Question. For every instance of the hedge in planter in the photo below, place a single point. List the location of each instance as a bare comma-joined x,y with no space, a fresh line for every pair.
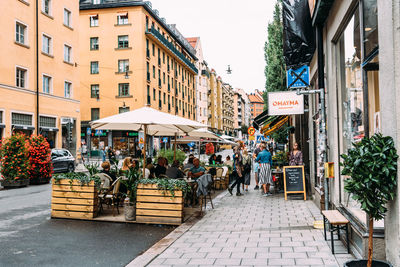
169,155
40,167
372,166
14,161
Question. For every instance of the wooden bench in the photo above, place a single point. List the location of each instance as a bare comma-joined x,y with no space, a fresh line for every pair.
336,222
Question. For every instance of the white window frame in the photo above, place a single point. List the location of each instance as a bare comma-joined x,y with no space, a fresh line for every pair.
91,19
69,18
50,7
25,113
26,76
50,43
70,53
90,43
70,89
124,65
25,32
98,71
50,83
119,20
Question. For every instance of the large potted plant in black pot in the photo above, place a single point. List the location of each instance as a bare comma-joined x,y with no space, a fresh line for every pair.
372,166
130,180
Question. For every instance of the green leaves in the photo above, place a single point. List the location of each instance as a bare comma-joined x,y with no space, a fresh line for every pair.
372,165
169,185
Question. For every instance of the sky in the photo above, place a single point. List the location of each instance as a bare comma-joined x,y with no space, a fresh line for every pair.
232,32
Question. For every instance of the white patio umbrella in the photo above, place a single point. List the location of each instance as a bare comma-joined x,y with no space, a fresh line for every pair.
151,121
224,136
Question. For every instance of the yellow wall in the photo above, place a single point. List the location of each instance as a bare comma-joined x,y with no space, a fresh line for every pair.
23,100
108,79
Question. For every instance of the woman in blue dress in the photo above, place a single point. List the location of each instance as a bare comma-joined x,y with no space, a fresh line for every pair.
264,172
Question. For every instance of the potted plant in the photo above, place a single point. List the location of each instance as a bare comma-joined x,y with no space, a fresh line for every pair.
14,161
169,155
40,168
372,166
132,176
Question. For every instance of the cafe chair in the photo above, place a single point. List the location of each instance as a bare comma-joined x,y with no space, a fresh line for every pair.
111,196
219,179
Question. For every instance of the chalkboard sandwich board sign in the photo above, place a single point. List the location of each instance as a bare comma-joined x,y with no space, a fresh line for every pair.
293,180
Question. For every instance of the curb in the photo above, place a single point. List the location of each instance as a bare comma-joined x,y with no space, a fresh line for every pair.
149,255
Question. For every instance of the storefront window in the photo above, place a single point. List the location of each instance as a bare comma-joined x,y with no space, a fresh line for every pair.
370,13
352,100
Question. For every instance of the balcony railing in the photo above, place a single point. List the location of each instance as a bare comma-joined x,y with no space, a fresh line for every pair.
169,45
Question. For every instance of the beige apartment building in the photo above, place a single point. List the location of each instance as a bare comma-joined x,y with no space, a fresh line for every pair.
39,78
227,109
130,58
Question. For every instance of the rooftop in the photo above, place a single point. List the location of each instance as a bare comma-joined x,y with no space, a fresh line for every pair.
170,28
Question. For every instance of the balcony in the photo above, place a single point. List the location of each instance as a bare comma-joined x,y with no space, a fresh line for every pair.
160,38
205,73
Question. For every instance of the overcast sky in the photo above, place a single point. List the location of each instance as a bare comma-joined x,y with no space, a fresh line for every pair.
232,32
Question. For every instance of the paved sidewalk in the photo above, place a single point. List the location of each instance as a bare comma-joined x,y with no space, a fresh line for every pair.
253,230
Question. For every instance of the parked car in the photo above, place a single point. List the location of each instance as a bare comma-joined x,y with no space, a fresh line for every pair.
62,160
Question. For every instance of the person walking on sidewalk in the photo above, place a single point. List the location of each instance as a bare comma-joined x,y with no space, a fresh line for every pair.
237,171
256,165
246,170
265,176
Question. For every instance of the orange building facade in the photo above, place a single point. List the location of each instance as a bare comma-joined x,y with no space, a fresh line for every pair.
256,103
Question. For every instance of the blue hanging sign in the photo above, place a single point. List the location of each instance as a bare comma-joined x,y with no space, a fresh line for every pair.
191,144
299,78
88,131
165,139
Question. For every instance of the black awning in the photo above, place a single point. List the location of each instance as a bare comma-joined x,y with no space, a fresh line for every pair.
2,126
23,127
49,129
260,119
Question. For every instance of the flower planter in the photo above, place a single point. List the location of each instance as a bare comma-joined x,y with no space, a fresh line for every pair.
39,180
70,199
130,211
7,183
158,206
363,263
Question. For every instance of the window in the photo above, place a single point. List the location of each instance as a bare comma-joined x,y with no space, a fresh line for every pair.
67,53
67,89
94,43
163,77
46,83
123,89
21,119
154,72
96,2
46,6
21,77
20,32
94,21
1,116
123,41
123,109
154,94
46,44
123,65
164,98
94,67
148,95
95,114
122,19
67,17
49,122
94,91
154,49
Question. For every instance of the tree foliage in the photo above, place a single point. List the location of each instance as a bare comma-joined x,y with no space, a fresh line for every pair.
275,71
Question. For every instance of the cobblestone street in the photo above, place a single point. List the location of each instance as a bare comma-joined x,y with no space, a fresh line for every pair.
253,230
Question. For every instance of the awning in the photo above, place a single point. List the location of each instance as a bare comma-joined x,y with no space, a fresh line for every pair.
23,127
49,129
274,125
260,119
2,126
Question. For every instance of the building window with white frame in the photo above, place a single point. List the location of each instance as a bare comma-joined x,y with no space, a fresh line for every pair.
21,77
46,84
46,44
94,43
46,7
123,65
94,91
122,19
123,41
94,21
67,53
20,33
67,90
67,17
94,67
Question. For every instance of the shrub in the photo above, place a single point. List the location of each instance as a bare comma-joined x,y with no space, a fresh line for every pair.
14,158
169,155
40,167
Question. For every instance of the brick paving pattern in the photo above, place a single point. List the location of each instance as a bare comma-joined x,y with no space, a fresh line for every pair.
253,230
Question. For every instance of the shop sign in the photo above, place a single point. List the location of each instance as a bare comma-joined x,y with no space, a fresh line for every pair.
285,103
132,134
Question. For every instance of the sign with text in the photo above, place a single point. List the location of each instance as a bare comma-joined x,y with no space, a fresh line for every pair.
285,103
294,181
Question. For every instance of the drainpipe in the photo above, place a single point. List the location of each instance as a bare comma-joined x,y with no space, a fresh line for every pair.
37,67
321,85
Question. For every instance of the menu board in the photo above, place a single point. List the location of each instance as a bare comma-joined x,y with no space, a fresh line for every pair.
293,179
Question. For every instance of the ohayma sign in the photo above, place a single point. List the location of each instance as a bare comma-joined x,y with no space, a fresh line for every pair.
285,103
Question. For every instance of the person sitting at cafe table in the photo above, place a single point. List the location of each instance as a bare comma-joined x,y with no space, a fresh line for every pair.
106,166
197,170
160,167
228,161
189,164
219,159
174,171
212,160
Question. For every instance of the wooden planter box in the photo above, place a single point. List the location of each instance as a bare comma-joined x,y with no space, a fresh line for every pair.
73,201
157,206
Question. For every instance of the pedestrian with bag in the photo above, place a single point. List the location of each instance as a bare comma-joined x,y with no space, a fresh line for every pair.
237,170
265,175
246,169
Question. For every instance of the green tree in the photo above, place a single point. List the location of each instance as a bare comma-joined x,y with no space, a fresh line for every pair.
275,70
